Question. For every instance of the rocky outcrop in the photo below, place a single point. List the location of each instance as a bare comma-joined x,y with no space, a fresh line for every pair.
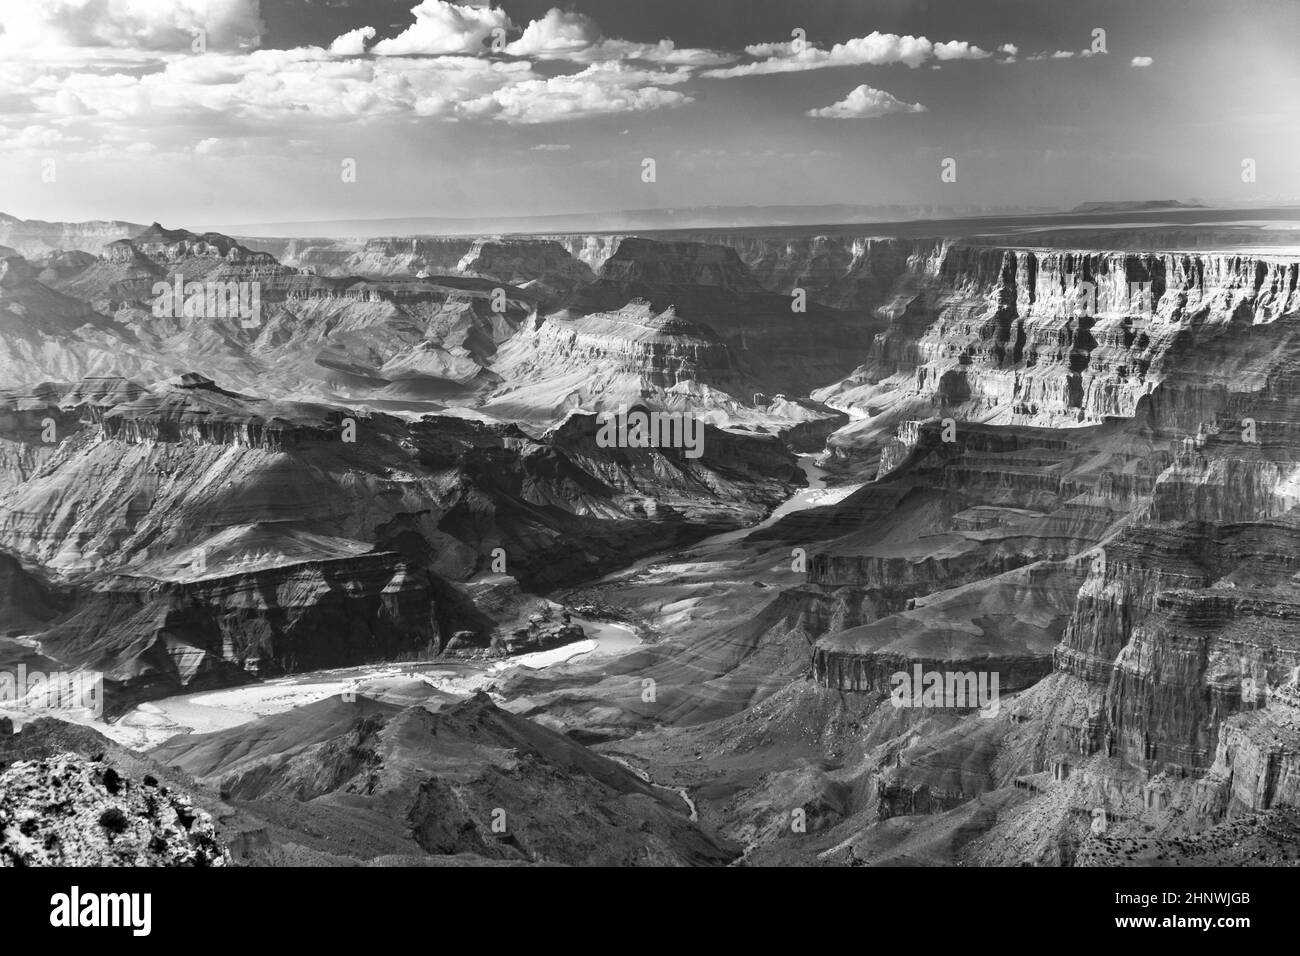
125,275
539,264
166,246
604,360
1257,762
661,349
739,469
1001,628
710,269
592,251
68,810
192,408
540,633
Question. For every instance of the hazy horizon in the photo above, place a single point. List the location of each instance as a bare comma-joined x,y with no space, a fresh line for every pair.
896,219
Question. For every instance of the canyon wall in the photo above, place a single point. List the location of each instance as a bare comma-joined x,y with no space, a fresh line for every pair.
1053,447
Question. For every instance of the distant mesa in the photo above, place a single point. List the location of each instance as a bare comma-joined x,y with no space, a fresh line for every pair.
1135,205
170,245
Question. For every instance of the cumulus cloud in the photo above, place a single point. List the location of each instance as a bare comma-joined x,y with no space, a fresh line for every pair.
665,52
960,50
441,66
875,49
287,90
41,25
568,35
352,43
125,71
446,28
627,74
1141,61
866,102
558,33
569,97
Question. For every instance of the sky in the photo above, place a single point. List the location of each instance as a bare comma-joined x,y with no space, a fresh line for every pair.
209,112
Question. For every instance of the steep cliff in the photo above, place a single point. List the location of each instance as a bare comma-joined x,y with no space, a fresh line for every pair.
604,360
249,606
1157,546
1053,337
374,257
540,265
680,325
34,237
546,266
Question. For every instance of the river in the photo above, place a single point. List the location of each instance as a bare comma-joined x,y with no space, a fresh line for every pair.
151,723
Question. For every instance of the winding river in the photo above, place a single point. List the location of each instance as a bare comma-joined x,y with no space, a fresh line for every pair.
151,723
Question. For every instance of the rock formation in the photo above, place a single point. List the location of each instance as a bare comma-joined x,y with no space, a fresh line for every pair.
67,810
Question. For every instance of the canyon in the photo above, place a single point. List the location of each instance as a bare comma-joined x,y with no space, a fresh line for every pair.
1068,457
